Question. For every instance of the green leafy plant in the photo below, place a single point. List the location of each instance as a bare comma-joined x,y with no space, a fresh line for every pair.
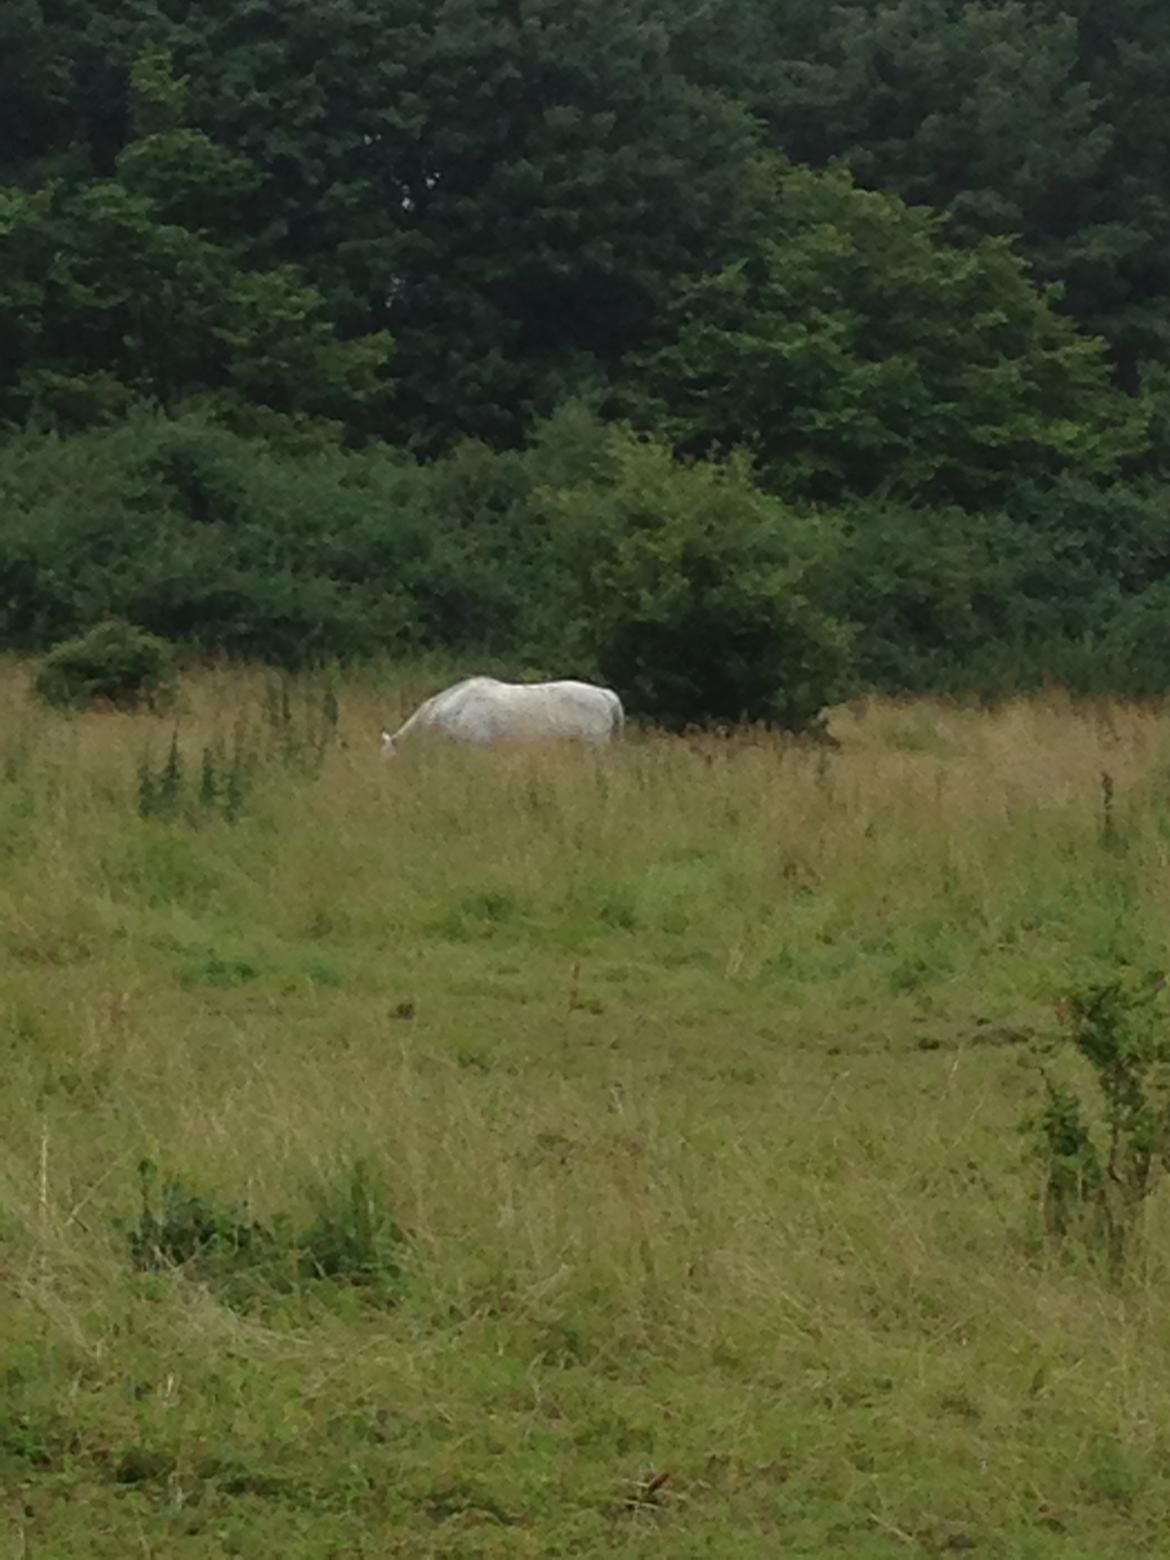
186,1228
114,663
1104,1150
695,593
352,1242
220,790
354,1238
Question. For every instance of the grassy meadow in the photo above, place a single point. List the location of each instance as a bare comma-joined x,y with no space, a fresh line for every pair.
562,1154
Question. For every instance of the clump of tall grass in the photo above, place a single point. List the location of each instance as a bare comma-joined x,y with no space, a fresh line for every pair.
352,1241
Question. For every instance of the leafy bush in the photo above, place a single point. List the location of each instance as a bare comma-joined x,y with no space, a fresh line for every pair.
694,593
1067,586
946,602
1103,1155
291,557
115,663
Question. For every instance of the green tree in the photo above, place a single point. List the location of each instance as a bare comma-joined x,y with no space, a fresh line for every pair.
509,190
64,85
1047,120
858,353
1117,259
102,300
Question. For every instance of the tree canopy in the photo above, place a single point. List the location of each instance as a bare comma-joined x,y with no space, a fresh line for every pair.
858,353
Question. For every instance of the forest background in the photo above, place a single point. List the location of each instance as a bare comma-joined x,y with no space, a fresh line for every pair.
739,352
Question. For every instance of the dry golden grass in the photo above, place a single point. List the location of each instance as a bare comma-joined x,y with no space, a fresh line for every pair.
691,1075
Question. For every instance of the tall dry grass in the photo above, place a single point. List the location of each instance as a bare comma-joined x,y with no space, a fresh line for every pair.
692,1074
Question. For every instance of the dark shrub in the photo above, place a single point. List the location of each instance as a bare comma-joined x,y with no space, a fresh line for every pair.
114,663
694,594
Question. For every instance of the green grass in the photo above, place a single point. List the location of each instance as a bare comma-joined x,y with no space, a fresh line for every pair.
571,1155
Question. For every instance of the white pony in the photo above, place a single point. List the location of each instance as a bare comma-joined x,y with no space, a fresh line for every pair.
482,710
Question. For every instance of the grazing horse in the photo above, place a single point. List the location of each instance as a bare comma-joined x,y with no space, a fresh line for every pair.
483,711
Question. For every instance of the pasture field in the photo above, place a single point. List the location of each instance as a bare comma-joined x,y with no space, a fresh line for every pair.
530,1155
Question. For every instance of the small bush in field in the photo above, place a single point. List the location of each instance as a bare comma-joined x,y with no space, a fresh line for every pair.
114,663
1104,1154
695,594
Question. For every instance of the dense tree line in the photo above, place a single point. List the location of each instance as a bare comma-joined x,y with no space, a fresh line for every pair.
857,318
